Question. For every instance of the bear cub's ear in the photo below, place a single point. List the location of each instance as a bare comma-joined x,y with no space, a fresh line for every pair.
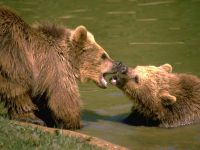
167,99
79,35
166,67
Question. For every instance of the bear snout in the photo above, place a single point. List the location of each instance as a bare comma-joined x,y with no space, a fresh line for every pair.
116,66
123,69
119,67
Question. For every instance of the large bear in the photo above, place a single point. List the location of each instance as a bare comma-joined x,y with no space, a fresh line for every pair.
160,97
40,66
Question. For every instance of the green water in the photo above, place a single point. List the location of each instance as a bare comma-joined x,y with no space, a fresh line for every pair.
137,32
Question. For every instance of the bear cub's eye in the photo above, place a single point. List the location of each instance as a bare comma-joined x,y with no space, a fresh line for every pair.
103,56
136,79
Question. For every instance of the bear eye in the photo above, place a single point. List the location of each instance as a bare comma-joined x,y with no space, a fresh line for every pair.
84,50
136,79
103,56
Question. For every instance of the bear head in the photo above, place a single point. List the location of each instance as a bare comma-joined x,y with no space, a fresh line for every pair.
91,61
148,86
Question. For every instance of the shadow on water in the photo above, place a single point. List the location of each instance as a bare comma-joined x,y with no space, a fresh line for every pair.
131,119
93,116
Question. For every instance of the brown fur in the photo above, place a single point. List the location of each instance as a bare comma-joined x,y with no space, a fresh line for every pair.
39,66
161,98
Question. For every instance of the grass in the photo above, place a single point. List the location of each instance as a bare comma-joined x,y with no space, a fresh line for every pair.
14,137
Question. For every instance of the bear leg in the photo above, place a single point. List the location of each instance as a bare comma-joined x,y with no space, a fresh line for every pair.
65,110
21,108
17,100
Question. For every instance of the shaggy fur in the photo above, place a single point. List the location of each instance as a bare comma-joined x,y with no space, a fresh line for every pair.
39,66
161,98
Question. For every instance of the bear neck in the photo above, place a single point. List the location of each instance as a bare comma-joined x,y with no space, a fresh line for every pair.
73,57
60,37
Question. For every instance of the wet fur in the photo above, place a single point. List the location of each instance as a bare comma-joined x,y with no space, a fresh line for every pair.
148,109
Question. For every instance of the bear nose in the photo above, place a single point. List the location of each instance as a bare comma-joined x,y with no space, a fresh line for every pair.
116,66
118,63
120,67
123,69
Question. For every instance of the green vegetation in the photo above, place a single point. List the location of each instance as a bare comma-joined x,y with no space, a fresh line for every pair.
14,137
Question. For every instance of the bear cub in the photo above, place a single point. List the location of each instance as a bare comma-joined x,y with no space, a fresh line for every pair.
161,98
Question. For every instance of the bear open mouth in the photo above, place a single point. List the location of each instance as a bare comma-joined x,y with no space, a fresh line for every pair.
113,80
117,81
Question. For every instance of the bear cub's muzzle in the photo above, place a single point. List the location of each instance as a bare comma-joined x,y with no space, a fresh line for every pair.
119,67
121,70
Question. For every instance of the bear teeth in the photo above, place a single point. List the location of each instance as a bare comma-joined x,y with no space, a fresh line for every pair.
104,82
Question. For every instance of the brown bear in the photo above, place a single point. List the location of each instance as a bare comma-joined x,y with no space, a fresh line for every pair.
40,66
160,97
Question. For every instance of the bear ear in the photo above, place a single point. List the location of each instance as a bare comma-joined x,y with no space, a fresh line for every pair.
167,67
167,99
79,35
